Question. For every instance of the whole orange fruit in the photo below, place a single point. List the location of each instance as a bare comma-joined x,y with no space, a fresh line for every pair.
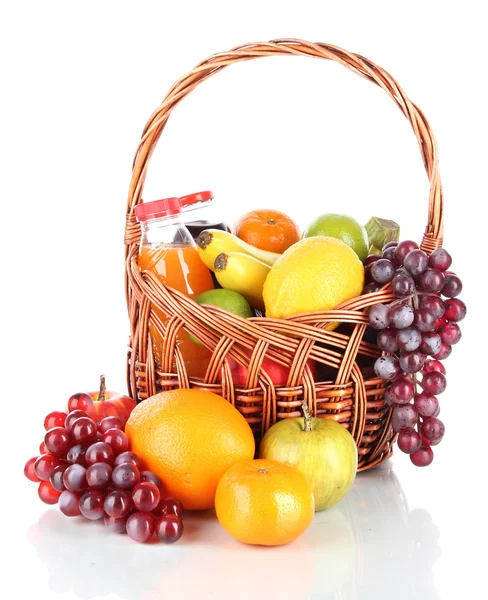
267,229
264,502
189,438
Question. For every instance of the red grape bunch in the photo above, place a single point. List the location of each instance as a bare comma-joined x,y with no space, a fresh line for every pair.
88,469
415,332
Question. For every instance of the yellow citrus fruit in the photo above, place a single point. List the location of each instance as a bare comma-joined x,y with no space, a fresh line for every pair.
342,227
264,502
316,273
189,438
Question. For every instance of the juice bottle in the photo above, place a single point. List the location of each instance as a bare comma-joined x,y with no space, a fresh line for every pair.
168,250
199,213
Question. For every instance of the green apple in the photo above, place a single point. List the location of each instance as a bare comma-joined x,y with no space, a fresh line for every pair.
322,449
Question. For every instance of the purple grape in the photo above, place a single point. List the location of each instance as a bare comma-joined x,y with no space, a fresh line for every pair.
402,285
401,316
423,457
432,429
416,262
383,271
392,244
412,361
56,477
69,504
372,287
403,249
118,503
431,343
370,259
115,524
99,475
434,365
126,476
91,505
433,304
379,316
402,390
409,338
434,382
452,286
443,352
431,280
403,416
74,478
387,340
389,254
426,404
386,367
424,320
152,477
76,454
450,333
409,440
140,526
440,259
455,310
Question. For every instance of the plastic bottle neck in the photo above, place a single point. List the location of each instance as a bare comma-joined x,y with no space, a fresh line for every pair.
165,230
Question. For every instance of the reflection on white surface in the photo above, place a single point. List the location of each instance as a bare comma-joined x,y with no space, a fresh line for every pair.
369,546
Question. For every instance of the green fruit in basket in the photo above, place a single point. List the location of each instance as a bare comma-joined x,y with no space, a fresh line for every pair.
380,232
321,449
342,227
227,299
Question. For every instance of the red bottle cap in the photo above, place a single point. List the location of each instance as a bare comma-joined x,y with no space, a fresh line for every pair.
157,208
194,198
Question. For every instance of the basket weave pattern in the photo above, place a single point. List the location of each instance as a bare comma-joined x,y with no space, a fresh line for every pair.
347,390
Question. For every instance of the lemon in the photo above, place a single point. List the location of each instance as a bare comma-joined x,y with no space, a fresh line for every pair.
316,273
342,227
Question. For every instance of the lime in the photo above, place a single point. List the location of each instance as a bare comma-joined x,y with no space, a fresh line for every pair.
227,299
342,227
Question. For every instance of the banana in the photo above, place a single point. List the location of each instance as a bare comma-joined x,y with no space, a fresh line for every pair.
244,274
212,242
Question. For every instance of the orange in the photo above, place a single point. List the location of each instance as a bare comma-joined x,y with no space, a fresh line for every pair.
264,502
267,229
189,438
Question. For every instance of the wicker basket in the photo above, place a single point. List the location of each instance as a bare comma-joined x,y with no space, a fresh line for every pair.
348,390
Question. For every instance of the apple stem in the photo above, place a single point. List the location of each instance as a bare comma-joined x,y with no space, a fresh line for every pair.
101,393
307,417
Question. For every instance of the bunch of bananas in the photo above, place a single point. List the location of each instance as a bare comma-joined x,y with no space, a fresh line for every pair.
237,265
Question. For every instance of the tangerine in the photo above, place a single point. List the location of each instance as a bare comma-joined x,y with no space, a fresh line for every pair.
267,229
189,438
264,502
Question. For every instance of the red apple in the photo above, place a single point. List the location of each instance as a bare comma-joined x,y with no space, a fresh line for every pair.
102,403
277,372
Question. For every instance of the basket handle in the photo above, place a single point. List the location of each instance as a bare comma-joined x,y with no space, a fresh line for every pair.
433,235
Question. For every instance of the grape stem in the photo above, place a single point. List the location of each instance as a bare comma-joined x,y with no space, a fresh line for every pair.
307,417
101,393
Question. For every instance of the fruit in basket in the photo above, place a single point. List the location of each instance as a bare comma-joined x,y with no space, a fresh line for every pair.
267,229
380,232
228,299
277,372
422,322
212,242
102,403
321,449
244,274
189,438
264,502
316,273
341,227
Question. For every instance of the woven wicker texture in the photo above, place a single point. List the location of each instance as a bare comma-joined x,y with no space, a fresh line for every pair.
347,390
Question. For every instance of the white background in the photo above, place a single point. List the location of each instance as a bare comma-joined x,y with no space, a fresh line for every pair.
79,81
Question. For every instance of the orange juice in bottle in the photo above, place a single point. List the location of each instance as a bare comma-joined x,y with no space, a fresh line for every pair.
168,251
